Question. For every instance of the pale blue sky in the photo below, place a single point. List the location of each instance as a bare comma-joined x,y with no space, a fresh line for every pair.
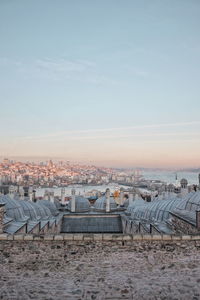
86,80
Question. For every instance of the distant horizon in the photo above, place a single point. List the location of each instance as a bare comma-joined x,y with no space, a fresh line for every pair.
38,159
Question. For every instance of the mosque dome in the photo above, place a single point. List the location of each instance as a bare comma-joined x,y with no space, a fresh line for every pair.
191,202
42,210
13,209
100,204
29,209
50,205
184,182
81,204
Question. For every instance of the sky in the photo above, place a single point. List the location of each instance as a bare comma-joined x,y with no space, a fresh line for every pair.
113,83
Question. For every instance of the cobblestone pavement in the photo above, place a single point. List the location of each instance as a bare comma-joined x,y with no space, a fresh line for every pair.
101,273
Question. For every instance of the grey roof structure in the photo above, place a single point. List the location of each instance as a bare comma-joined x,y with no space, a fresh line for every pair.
29,209
100,204
91,223
13,209
50,205
81,204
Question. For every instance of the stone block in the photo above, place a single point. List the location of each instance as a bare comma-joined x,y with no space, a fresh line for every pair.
37,238
68,237
176,237
28,237
127,237
137,237
18,237
48,237
166,237
88,237
195,237
107,237
78,237
58,237
97,237
10,237
156,237
117,237
147,237
3,236
186,237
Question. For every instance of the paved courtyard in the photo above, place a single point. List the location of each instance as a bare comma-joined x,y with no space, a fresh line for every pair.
110,272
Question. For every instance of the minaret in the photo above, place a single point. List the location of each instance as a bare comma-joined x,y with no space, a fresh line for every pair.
121,196
21,192
107,200
30,193
11,191
130,198
51,195
46,195
63,196
73,201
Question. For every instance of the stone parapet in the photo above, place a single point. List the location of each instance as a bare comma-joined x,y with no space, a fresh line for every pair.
98,237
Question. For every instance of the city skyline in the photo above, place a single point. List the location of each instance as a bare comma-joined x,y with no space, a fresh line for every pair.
112,84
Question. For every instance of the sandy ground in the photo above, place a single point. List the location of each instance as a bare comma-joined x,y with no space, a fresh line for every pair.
115,273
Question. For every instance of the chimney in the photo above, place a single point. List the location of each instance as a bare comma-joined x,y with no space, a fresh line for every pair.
130,198
63,196
198,219
51,194
21,192
73,201
30,193
121,196
107,200
1,217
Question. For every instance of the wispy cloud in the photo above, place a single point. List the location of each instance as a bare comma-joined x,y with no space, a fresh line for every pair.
117,132
61,70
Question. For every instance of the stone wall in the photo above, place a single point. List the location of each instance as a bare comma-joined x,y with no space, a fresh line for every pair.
181,226
1,217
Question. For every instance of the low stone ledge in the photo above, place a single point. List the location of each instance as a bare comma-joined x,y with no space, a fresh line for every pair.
58,237
127,237
3,236
186,237
88,237
78,237
48,237
98,237
147,237
195,237
138,237
117,237
156,237
107,237
176,238
28,237
10,237
68,237
18,237
166,237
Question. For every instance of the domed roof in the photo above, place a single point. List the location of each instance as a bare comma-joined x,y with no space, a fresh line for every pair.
50,205
183,180
158,210
191,202
100,203
13,209
29,209
42,210
81,204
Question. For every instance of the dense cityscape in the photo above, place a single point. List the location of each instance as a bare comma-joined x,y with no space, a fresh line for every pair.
50,174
